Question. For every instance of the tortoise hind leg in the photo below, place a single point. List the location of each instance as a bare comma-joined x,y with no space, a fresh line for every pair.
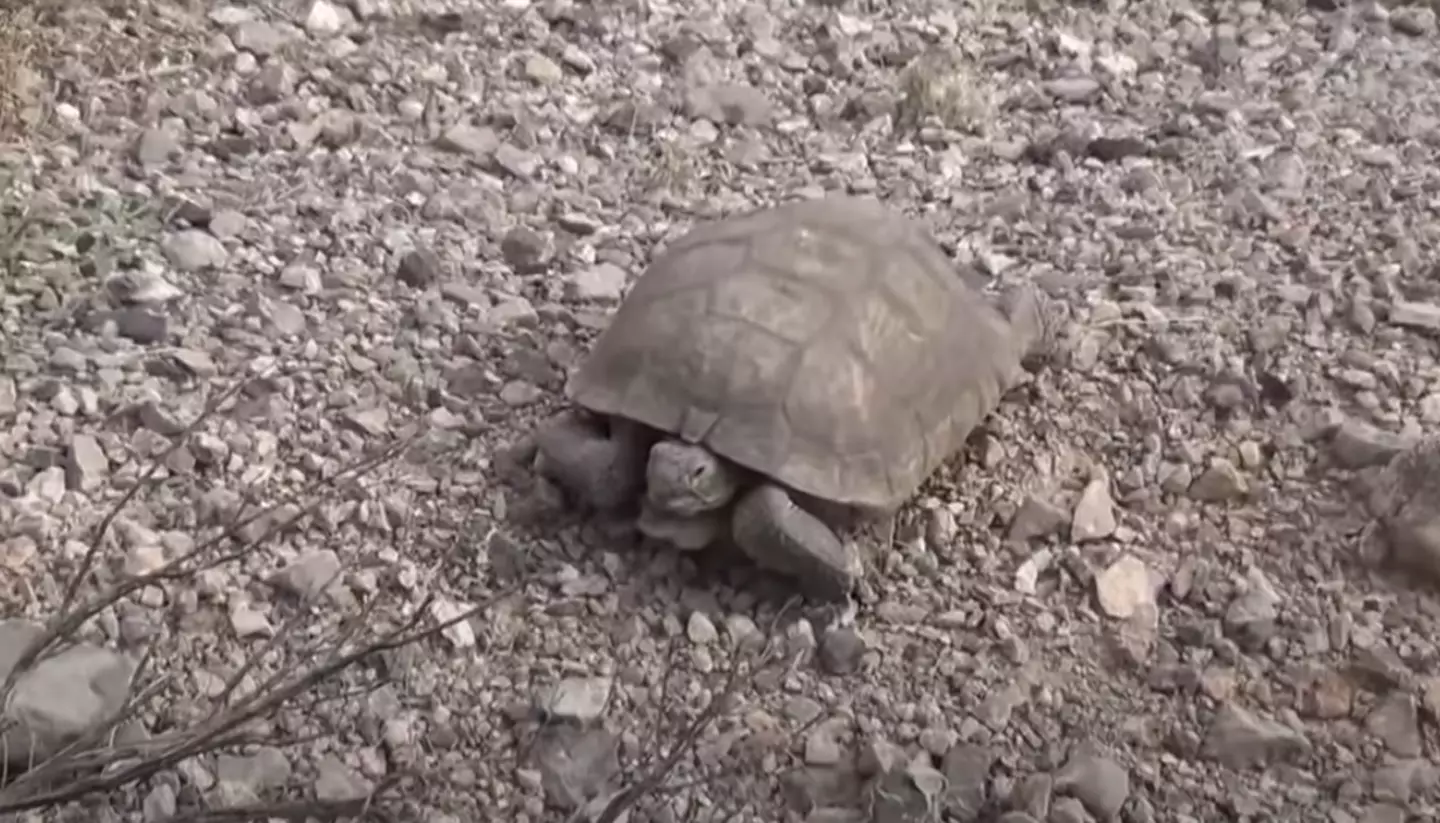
779,535
606,470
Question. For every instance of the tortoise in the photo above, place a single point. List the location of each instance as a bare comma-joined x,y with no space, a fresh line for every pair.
775,373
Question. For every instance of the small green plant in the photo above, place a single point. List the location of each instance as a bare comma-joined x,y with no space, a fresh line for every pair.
50,249
942,86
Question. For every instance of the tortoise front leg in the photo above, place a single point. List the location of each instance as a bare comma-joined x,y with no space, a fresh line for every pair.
686,532
779,535
606,470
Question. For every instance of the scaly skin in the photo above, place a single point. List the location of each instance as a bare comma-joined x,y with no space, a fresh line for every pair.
686,479
783,537
605,469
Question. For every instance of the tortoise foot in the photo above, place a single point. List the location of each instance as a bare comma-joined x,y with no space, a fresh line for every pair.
779,535
605,469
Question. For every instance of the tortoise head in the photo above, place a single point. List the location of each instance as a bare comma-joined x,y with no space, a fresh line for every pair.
1037,321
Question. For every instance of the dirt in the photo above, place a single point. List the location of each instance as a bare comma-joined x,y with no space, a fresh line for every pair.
1147,591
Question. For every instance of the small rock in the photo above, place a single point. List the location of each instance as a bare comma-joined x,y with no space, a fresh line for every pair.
1250,617
336,781
193,250
1356,445
373,422
1241,740
59,697
1027,576
581,699
1220,482
542,70
822,746
1036,518
1416,20
1095,512
257,37
287,320
310,575
1073,89
457,629
967,772
228,223
516,161
142,325
520,393
525,249
1384,813
745,635
701,630
1396,721
841,651
247,622
463,138
86,465
1125,586
324,19
510,310
302,278
1415,315
160,804
603,283
155,147
1099,783
734,104
273,84
141,287
244,778
907,793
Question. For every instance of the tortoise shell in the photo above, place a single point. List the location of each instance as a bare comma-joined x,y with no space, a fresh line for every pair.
829,344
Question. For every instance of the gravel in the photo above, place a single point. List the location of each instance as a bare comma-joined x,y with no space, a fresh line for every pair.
1144,593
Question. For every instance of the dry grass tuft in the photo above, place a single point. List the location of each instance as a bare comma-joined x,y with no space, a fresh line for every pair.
21,40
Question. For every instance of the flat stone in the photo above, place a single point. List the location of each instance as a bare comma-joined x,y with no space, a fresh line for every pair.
61,697
1239,739
1415,315
193,250
602,283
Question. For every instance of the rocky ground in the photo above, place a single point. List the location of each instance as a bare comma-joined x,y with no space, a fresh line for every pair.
1146,592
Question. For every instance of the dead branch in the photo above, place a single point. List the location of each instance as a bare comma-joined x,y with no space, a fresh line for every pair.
85,766
653,780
